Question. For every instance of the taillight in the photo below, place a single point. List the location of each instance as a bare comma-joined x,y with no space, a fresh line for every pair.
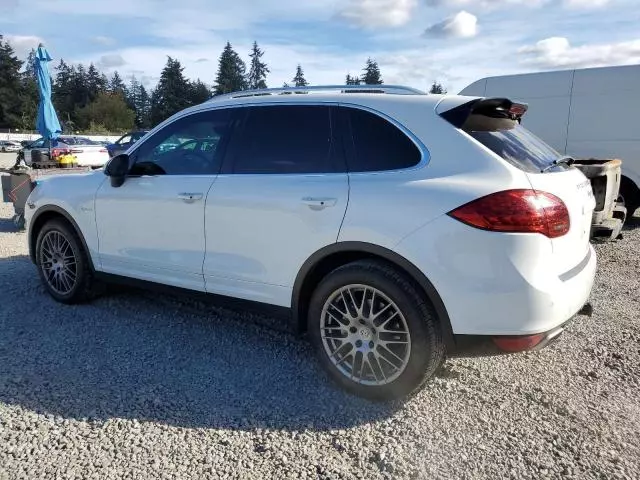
523,211
57,152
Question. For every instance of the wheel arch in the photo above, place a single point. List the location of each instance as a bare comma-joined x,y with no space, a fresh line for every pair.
42,216
333,256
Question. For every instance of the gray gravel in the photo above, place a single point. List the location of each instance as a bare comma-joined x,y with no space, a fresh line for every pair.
137,385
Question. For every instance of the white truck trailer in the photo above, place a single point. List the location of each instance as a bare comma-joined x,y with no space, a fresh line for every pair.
584,113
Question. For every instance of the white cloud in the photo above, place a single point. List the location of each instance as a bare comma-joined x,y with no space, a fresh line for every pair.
22,44
378,13
461,25
495,4
487,4
109,61
104,41
557,52
586,3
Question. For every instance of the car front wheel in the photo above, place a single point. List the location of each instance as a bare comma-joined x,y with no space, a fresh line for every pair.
374,332
62,263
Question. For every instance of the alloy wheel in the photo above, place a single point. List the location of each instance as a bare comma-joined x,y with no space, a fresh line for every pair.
365,335
58,262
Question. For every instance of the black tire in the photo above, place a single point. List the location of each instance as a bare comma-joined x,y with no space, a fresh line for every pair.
427,349
82,288
631,195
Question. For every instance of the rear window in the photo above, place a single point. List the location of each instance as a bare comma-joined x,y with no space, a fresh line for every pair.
512,142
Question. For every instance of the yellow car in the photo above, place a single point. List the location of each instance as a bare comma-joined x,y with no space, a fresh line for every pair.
67,161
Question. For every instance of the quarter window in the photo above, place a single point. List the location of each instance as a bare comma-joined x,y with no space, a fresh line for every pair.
378,144
191,145
286,139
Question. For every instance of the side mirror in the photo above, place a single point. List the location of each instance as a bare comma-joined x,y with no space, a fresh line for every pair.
117,169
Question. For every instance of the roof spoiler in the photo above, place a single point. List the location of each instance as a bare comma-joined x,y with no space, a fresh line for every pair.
490,107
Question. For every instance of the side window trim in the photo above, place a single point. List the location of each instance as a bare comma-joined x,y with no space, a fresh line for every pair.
238,117
350,151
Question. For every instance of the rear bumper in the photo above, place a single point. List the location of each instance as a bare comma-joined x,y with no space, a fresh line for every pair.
484,345
499,284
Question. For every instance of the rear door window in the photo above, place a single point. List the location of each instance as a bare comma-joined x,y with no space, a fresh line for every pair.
378,145
285,139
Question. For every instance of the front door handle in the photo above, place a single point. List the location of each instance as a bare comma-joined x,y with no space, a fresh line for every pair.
190,197
318,203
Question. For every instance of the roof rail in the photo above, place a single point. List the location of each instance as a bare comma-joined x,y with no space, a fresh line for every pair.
394,89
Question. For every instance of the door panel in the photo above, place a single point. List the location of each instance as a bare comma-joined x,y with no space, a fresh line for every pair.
261,229
152,227
281,198
147,229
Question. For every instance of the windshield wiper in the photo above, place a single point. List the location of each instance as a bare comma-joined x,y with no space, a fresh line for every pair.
564,160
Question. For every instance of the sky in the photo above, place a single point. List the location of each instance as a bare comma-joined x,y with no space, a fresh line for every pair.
415,42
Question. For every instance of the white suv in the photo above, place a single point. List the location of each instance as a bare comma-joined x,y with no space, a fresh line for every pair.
393,226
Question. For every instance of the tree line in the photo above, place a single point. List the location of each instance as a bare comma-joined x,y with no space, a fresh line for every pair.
89,101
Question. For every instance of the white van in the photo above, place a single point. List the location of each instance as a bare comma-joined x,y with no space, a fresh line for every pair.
585,113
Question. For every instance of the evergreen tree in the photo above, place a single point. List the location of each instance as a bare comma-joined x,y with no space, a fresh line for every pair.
30,94
104,81
133,92
116,85
231,72
371,74
352,80
200,93
139,101
172,92
143,108
63,95
30,64
96,83
437,88
257,77
80,94
299,80
10,87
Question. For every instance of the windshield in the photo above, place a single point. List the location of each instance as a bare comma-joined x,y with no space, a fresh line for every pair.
518,146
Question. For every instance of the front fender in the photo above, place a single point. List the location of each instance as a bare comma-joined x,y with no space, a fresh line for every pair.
47,212
72,197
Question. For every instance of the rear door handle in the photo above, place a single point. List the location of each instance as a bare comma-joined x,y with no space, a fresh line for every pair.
318,203
190,197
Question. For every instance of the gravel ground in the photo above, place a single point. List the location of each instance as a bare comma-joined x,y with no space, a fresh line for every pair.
137,385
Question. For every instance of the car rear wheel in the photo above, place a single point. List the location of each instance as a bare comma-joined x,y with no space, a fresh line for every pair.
373,331
631,195
62,263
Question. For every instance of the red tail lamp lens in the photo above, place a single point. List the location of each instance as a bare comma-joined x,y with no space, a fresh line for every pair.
518,344
519,211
